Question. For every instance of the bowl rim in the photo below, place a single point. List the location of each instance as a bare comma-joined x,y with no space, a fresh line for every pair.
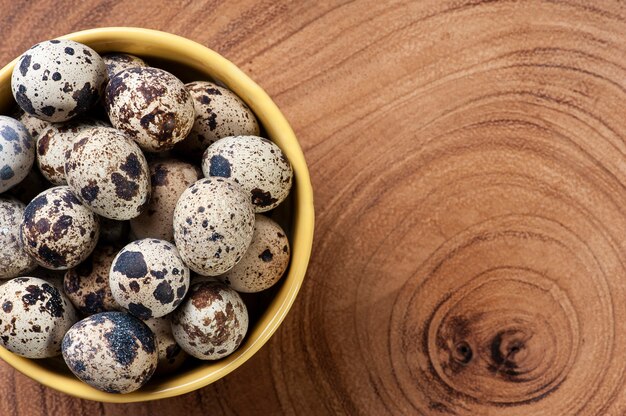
203,59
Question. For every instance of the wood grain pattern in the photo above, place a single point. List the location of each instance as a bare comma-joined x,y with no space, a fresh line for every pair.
469,164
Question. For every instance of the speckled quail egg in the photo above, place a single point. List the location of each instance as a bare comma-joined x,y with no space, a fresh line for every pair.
34,315
169,178
265,261
56,80
108,172
14,260
33,124
54,141
213,225
57,230
87,285
212,322
257,164
113,231
151,105
117,62
219,113
111,351
171,356
17,152
149,278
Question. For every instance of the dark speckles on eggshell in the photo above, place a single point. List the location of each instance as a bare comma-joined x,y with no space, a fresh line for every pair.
131,264
90,192
124,188
266,255
84,99
6,173
9,134
164,293
134,286
23,101
140,311
219,166
24,64
7,306
132,166
159,177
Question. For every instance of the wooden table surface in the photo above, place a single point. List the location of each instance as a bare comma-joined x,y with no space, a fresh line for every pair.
469,165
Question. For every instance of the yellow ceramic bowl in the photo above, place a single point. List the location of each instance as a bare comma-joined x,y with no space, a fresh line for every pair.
192,60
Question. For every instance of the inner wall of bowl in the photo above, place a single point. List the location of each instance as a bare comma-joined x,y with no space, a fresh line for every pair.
284,214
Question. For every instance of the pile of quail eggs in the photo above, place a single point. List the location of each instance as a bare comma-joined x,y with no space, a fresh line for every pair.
131,216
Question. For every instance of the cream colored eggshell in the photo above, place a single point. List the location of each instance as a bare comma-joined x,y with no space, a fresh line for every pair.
149,278
109,173
35,315
14,260
87,285
57,80
213,225
265,260
169,178
54,141
57,230
117,62
171,356
33,124
212,322
111,351
17,152
219,113
151,105
257,164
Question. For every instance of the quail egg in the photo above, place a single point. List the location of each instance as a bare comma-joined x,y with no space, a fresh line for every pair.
149,278
14,261
57,230
257,164
54,141
87,285
213,225
169,178
111,351
57,80
108,172
17,152
219,113
117,62
151,105
171,356
212,322
35,315
265,261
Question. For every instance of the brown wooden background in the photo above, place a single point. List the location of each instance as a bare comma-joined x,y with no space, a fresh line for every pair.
469,165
